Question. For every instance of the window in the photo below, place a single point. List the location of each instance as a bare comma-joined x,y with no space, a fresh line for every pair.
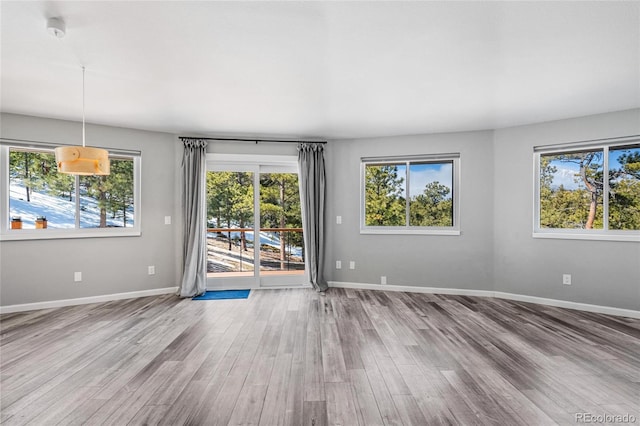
417,194
40,203
588,191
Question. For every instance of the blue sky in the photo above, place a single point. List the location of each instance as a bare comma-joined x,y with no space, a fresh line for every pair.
422,174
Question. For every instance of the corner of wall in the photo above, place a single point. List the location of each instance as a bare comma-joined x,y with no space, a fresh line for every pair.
605,272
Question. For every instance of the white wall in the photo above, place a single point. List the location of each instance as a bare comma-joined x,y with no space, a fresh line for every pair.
42,270
461,262
496,251
603,272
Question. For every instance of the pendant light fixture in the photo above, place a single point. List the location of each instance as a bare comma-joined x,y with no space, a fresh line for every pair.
82,160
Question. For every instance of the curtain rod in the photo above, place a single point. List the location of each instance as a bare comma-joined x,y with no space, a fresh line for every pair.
251,140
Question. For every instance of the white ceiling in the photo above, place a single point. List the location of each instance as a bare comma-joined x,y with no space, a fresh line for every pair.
320,69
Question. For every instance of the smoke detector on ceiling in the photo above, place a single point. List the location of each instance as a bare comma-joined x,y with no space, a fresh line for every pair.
56,27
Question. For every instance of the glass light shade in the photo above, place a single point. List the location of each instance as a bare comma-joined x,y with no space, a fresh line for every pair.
80,160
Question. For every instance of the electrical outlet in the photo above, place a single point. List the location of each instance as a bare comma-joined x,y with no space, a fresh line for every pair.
383,280
352,265
167,220
152,270
339,220
338,264
77,276
566,279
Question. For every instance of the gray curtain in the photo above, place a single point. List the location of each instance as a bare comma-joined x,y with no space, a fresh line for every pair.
312,192
194,260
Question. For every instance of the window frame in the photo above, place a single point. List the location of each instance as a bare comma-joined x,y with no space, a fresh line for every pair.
604,234
453,158
256,164
7,234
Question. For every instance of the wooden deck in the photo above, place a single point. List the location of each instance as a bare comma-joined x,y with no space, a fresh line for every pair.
294,357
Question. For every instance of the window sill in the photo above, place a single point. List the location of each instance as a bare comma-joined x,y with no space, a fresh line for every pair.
418,231
60,234
635,237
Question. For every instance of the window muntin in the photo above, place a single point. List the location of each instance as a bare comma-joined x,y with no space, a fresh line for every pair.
588,192
415,194
58,205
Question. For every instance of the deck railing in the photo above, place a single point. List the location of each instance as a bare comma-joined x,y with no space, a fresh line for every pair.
232,250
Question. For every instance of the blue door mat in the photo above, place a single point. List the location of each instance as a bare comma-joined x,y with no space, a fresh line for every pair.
223,294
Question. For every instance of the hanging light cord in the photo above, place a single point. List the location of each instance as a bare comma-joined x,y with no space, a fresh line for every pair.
83,106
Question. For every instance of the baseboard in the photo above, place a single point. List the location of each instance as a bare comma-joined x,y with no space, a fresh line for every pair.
497,294
412,289
570,305
85,300
362,286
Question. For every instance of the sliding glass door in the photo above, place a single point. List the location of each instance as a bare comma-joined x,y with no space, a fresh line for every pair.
254,227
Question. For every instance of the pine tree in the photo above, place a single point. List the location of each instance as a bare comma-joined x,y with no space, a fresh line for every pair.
280,208
572,208
384,199
29,167
230,198
120,197
433,207
114,192
624,192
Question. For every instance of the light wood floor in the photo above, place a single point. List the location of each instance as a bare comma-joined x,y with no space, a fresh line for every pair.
297,358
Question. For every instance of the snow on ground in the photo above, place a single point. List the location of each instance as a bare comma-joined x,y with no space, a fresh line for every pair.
266,238
59,211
